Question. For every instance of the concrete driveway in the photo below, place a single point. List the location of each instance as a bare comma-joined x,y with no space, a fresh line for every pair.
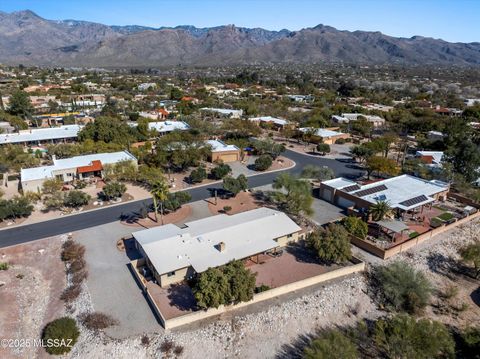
325,212
112,287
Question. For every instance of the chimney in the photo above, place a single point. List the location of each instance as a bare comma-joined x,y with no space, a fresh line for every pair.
221,247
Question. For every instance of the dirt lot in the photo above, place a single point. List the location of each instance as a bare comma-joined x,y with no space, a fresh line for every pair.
30,292
244,201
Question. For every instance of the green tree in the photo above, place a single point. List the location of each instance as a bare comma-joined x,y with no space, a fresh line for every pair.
470,340
235,185
361,152
318,173
159,191
176,200
65,331
51,186
108,130
331,344
20,105
380,210
400,287
323,148
263,162
75,199
471,254
332,244
404,337
231,283
355,226
198,175
220,171
114,190
381,165
294,195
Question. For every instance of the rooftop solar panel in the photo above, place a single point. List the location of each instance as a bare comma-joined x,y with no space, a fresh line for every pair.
371,190
351,188
413,201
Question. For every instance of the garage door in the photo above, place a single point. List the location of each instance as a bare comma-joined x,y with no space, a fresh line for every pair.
345,203
229,158
327,194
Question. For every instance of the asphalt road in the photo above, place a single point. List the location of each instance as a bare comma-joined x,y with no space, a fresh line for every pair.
31,232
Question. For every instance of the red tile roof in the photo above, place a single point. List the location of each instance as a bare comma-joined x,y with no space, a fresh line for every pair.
95,166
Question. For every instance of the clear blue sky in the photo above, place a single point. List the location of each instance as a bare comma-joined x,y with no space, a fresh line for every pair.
452,20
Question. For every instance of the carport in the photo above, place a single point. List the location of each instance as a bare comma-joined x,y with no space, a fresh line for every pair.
392,227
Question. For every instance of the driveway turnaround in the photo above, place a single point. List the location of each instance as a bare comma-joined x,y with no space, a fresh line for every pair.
27,233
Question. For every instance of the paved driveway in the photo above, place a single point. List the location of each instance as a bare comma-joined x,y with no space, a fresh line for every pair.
325,212
112,287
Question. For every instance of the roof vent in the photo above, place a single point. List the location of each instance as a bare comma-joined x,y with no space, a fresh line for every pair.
221,247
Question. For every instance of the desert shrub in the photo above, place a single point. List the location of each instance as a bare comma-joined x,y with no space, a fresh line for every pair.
470,343
340,141
471,254
72,251
263,162
77,265
178,350
71,293
4,266
64,330
262,288
167,346
114,190
355,226
331,344
332,245
220,171
176,200
323,148
227,209
79,276
400,287
403,336
75,199
198,175
97,321
145,340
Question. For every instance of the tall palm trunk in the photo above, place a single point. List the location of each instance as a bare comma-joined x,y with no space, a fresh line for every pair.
155,208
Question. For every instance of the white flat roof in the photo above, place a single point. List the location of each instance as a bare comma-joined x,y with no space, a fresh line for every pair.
404,192
219,146
44,172
278,121
41,134
339,183
170,248
321,132
223,111
168,126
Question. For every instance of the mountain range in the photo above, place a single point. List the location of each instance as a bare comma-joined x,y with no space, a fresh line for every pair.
29,39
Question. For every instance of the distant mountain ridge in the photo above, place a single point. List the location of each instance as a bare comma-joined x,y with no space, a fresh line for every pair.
29,39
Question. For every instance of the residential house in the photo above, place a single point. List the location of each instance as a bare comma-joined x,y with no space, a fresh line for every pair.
277,123
403,193
40,136
328,136
174,254
222,152
224,112
70,169
376,121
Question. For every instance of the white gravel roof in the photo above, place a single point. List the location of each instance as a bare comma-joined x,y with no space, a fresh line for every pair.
321,132
219,146
278,121
170,248
168,126
41,134
36,173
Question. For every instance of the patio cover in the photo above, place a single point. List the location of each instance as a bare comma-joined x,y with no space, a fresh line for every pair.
394,226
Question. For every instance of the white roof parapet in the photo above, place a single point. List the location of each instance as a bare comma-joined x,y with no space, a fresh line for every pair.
220,146
278,121
44,172
170,248
41,134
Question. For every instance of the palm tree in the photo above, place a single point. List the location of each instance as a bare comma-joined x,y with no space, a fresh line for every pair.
159,192
379,210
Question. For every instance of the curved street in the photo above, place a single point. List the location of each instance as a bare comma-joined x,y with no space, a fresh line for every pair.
31,232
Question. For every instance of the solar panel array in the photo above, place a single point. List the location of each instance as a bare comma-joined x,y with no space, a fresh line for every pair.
351,188
414,201
371,190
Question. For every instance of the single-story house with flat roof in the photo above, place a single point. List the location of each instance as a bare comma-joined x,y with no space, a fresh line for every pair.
224,112
164,127
174,254
220,151
70,169
376,121
39,136
328,136
403,193
278,123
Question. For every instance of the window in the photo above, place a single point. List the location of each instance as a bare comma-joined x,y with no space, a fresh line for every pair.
289,235
171,274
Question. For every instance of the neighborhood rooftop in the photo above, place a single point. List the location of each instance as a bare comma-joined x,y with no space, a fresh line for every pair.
321,132
404,192
277,121
41,134
165,126
244,234
219,146
44,172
